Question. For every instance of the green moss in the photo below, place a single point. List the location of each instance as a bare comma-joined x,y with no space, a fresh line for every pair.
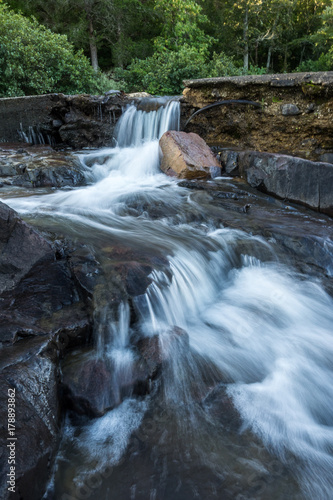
312,89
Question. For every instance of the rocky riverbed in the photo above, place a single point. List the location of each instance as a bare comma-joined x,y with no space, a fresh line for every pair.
139,311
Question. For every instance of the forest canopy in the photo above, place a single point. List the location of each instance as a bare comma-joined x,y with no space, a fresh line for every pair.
75,46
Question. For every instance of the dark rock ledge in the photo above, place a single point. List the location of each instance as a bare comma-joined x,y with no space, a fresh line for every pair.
42,307
286,177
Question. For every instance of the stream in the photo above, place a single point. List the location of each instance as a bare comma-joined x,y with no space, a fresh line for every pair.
241,303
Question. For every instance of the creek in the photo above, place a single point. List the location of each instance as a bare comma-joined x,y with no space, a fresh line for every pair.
243,405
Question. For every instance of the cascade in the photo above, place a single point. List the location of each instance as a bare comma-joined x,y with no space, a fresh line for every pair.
234,321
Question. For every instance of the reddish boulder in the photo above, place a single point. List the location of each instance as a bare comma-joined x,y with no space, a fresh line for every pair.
186,156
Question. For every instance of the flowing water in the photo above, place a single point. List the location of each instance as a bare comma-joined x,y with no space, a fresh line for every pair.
243,408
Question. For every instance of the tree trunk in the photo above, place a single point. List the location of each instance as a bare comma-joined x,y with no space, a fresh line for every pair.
270,50
269,56
120,46
93,46
285,62
246,38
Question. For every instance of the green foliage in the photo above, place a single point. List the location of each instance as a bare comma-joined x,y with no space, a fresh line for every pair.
222,65
181,27
163,73
323,63
155,44
35,61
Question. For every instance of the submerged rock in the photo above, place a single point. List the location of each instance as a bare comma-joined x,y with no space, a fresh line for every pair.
186,156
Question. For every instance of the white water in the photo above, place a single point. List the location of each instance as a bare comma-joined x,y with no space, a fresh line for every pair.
254,320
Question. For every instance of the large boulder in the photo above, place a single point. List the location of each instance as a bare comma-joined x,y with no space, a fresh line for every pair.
186,156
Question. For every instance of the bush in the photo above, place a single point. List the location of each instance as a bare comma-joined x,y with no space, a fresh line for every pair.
324,63
164,72
33,60
222,65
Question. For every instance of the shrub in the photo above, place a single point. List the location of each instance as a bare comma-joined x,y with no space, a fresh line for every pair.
164,72
33,60
324,63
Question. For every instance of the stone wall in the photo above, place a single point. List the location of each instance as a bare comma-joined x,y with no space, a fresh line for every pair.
295,116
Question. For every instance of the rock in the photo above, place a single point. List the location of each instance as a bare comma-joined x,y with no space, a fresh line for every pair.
33,377
186,155
112,92
57,123
87,385
92,386
40,167
310,108
157,349
37,292
287,177
229,161
215,172
220,406
290,110
76,121
326,158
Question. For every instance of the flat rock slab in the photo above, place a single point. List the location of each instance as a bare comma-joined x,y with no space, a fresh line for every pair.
324,78
186,156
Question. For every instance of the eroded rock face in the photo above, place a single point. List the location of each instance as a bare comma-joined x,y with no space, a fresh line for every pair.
295,116
186,156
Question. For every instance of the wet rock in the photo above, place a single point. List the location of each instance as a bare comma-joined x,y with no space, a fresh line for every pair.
290,110
186,155
80,133
287,177
76,121
157,349
221,407
137,279
229,162
37,292
87,386
33,377
92,386
215,172
40,167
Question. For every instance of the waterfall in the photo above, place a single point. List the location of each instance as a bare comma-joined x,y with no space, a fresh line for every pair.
229,314
136,126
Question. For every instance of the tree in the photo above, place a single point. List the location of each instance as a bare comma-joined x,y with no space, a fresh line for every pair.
34,60
111,32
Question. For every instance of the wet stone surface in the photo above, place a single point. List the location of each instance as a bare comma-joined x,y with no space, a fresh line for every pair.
39,166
